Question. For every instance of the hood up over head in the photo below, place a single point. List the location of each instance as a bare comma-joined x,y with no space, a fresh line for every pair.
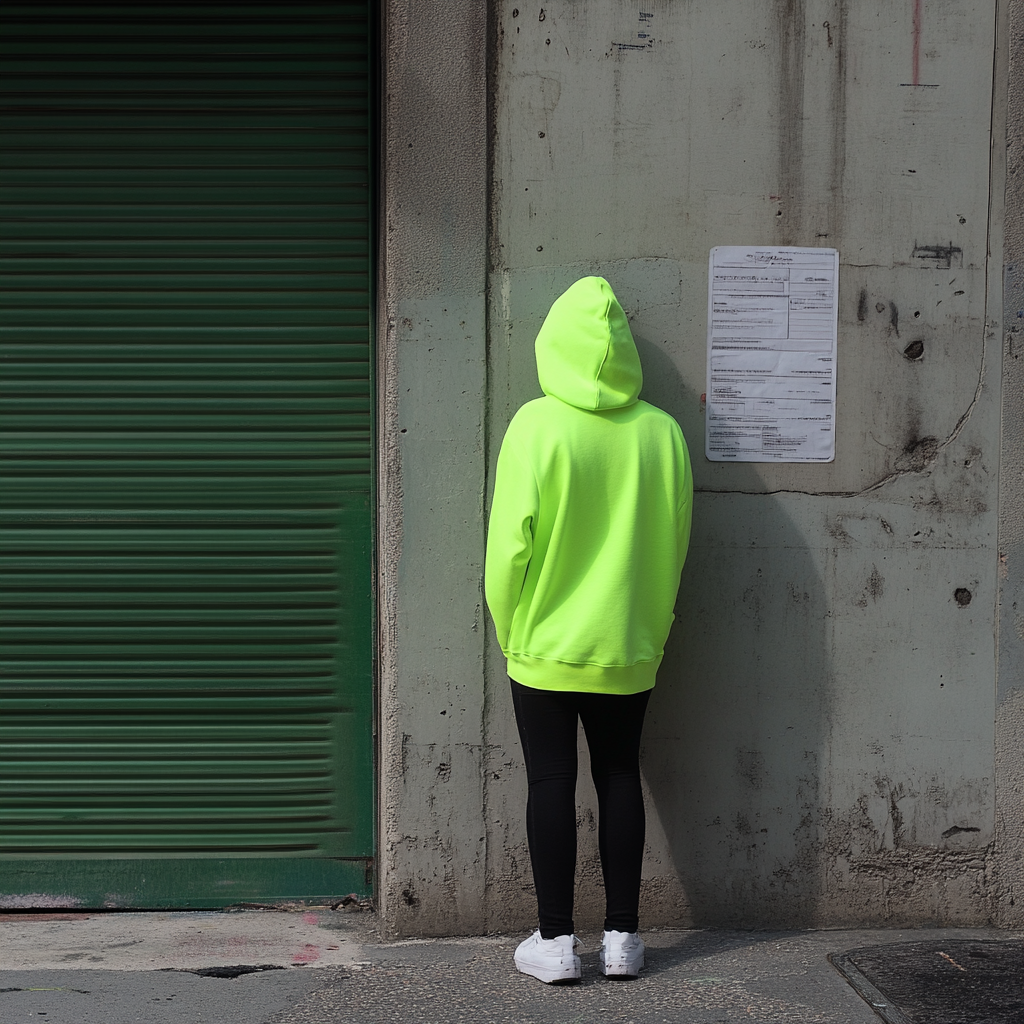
586,355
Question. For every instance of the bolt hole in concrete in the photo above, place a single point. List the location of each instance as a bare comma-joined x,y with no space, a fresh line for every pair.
962,596
939,982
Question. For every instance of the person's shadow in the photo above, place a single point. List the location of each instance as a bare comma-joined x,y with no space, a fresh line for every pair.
733,742
734,733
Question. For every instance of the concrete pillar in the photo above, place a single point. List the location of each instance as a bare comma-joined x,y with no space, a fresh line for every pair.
1008,878
432,375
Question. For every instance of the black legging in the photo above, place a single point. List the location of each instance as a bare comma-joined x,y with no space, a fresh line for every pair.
547,721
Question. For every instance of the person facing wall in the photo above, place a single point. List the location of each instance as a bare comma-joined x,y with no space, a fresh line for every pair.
589,527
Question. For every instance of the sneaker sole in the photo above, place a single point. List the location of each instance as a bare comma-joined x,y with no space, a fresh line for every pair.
548,976
624,970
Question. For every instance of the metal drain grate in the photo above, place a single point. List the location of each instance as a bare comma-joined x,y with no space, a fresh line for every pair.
947,982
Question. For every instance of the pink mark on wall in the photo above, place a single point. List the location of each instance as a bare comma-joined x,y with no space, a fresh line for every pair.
917,41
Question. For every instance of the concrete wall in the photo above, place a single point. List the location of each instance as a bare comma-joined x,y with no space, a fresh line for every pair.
820,749
1009,874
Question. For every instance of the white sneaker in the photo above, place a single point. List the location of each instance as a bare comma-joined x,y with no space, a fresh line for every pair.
549,960
622,954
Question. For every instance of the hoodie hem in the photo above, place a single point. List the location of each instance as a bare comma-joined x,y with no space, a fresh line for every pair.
541,674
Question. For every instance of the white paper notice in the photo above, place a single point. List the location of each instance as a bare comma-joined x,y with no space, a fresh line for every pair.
773,320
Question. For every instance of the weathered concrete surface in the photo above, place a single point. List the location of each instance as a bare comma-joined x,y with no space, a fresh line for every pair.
820,746
1009,865
824,746
431,376
728,977
184,940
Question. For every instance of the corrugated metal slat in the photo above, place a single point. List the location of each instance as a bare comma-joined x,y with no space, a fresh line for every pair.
185,417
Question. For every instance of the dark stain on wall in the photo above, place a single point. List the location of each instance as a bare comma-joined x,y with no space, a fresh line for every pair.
957,830
897,820
797,43
791,19
836,31
945,256
918,454
750,766
894,317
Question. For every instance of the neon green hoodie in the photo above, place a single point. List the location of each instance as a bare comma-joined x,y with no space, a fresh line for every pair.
590,518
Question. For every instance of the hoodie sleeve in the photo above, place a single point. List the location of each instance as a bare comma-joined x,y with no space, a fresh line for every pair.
509,538
685,511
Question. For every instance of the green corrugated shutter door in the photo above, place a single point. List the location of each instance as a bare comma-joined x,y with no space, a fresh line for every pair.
185,408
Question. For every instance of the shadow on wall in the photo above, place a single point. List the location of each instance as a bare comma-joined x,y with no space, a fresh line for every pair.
735,730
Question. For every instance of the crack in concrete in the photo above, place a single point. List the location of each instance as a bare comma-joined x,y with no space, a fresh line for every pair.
932,453
918,459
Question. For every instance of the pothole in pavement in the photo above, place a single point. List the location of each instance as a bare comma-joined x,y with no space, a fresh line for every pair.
226,972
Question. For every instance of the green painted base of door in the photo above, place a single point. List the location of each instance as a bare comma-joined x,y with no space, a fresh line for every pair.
172,884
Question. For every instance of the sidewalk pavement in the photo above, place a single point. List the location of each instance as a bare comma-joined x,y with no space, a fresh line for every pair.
322,965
